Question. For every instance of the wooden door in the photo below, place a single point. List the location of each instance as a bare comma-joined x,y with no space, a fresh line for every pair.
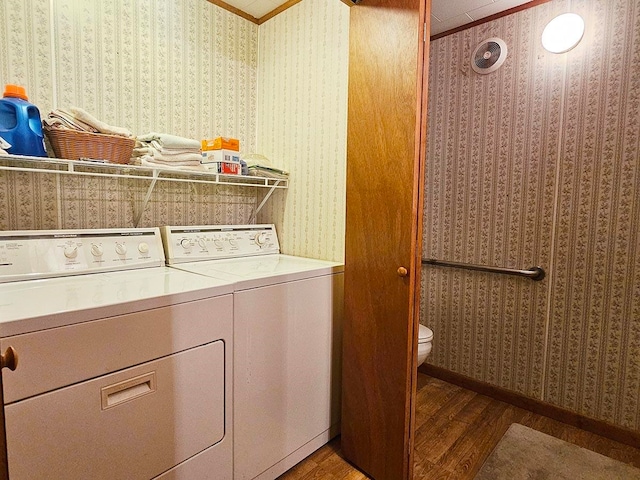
385,160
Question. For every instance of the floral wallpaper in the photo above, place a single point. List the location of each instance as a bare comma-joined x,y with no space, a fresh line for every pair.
189,68
26,55
537,164
48,201
594,323
302,123
183,67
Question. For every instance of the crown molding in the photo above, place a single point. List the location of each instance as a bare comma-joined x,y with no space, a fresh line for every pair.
235,10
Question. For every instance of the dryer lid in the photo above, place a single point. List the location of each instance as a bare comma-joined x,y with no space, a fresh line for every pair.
425,334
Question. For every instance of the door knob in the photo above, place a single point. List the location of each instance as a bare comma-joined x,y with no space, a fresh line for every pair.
402,272
9,359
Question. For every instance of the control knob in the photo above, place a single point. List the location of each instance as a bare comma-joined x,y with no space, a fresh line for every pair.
121,248
96,250
143,248
260,238
201,243
71,251
185,243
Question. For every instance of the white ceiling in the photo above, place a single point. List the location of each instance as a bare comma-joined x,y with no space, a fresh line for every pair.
448,14
445,14
256,8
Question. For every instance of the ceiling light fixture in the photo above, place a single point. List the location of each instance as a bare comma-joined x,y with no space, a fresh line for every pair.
563,33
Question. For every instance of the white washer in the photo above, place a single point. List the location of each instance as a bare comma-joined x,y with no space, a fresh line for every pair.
287,341
123,372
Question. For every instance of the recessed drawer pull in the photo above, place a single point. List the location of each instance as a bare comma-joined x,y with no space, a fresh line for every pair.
126,390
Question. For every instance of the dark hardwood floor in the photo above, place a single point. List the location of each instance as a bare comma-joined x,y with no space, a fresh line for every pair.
456,429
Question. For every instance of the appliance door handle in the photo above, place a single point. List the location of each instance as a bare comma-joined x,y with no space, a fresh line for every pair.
121,392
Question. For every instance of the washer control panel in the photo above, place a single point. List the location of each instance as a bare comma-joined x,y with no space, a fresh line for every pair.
211,242
35,254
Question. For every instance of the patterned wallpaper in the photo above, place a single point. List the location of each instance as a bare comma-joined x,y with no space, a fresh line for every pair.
46,201
302,123
183,67
594,329
189,68
537,164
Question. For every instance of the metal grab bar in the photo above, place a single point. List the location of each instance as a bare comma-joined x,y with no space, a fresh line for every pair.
534,273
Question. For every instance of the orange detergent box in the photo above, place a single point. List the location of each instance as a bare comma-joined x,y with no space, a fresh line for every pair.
221,143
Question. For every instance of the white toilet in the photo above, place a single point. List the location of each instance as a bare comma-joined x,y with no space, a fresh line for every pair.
425,337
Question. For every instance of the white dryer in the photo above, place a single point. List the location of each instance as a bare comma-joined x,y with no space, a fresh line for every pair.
124,364
287,341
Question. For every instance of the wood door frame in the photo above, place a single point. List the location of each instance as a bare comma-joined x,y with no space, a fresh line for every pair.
419,187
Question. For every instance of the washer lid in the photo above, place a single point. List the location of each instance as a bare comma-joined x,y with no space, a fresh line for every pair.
425,334
262,270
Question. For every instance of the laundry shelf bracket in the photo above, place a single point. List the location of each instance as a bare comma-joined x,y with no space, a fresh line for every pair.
83,168
147,196
264,200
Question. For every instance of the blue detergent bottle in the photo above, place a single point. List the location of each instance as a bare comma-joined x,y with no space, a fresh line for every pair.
20,123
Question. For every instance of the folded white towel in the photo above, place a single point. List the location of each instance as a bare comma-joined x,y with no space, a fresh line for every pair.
147,161
62,119
170,141
140,151
170,162
166,154
181,157
156,146
258,171
102,127
170,153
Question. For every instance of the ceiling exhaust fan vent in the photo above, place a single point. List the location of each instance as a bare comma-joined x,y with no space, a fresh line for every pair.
489,56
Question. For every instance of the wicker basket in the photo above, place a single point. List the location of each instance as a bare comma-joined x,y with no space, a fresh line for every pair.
75,145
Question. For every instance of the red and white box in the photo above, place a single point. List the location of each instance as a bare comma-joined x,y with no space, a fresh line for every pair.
217,156
229,168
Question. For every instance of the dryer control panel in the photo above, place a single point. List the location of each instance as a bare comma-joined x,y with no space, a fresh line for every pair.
212,242
34,254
